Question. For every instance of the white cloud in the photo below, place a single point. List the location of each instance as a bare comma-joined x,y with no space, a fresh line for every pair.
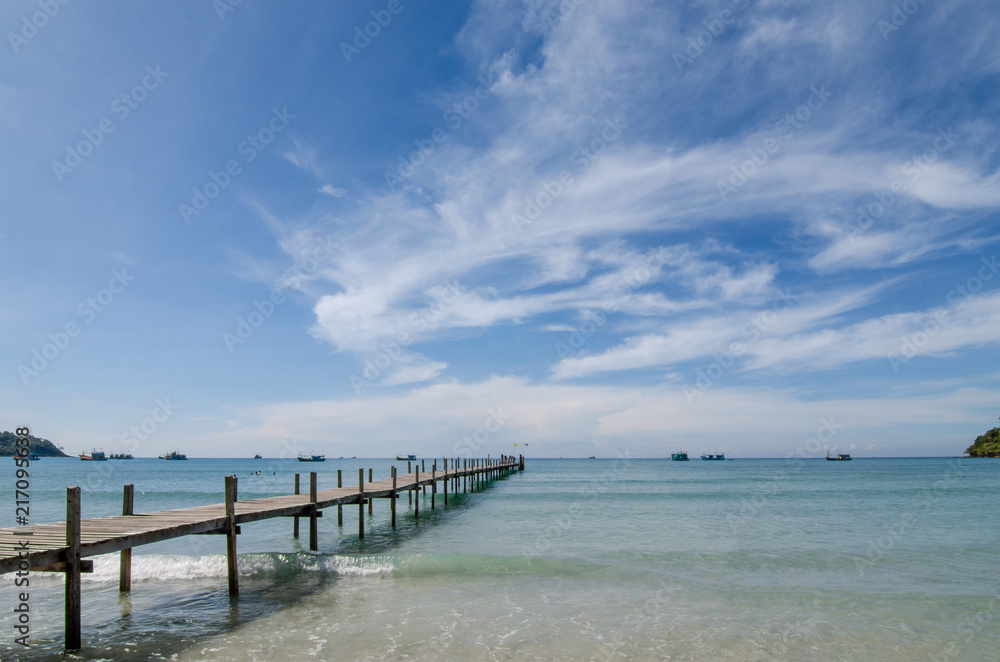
333,191
641,420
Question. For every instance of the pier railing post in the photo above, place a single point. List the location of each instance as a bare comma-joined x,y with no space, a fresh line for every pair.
295,520
125,564
392,498
234,576
361,503
313,523
340,508
72,621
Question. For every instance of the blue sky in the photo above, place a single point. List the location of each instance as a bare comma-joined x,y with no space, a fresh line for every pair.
589,227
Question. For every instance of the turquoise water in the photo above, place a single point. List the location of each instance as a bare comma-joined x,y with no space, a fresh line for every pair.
874,559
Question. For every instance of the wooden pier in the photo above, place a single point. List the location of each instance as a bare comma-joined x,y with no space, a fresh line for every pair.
62,546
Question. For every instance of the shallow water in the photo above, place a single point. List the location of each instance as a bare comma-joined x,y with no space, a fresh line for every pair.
876,559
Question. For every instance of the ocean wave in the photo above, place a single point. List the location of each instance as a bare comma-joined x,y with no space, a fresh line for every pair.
156,567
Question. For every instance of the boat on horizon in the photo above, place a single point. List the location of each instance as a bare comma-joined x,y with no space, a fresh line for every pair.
95,456
174,455
717,456
406,458
121,456
841,457
312,458
679,456
34,456
257,457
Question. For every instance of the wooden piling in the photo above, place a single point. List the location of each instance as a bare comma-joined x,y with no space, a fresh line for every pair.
409,493
234,577
423,467
125,563
295,522
361,503
313,514
72,620
340,509
392,498
434,483
370,501
445,460
416,500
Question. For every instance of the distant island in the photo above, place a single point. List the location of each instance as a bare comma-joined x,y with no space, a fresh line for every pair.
43,447
986,445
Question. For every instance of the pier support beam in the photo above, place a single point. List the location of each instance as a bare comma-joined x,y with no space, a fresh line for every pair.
72,622
125,564
295,523
313,523
340,508
392,498
234,575
361,503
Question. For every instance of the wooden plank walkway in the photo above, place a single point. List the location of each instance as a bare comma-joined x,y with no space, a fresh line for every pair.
61,546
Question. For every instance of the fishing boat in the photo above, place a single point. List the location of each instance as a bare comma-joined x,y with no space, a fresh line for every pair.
34,456
95,456
121,456
680,456
841,457
174,455
312,458
717,456
257,457
405,458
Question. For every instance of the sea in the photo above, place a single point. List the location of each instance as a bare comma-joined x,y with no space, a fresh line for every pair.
572,559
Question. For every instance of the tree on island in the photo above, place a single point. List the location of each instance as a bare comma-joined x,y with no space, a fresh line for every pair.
986,445
43,447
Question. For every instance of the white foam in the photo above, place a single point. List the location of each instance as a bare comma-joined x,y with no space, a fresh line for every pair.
177,567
